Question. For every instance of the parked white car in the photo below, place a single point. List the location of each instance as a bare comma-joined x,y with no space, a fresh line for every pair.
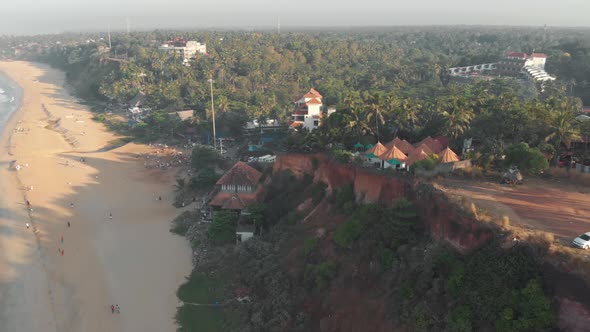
582,241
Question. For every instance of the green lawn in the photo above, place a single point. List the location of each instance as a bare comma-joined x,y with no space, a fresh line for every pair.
201,289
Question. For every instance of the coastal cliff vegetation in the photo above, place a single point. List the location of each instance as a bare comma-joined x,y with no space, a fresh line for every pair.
326,262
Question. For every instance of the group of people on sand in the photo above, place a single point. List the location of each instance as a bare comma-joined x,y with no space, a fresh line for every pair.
115,308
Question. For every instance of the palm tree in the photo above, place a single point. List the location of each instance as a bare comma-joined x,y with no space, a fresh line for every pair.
407,114
222,104
564,128
376,112
352,102
457,115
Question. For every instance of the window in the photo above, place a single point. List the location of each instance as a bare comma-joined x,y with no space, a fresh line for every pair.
316,123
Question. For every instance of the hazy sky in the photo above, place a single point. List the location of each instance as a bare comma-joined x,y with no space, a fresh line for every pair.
49,16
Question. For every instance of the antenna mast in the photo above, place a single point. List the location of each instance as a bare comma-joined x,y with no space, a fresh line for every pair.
279,25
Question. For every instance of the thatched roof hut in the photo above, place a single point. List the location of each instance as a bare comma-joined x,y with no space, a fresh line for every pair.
425,148
393,153
401,144
448,156
432,144
377,150
417,154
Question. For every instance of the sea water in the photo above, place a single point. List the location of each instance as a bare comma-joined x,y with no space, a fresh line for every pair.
10,96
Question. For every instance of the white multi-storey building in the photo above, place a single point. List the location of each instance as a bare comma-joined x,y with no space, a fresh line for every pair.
186,49
308,111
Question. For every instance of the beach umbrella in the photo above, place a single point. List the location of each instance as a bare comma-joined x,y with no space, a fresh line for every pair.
369,146
448,156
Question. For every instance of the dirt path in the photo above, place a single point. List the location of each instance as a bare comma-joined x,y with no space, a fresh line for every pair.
560,208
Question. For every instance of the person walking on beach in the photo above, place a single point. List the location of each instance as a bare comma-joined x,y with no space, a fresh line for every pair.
62,239
111,216
117,309
112,308
68,224
72,205
28,225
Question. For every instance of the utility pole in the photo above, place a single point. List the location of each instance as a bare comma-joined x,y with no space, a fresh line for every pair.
213,113
109,36
279,25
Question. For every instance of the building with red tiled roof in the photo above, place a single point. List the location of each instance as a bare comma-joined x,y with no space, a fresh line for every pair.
237,188
519,55
308,111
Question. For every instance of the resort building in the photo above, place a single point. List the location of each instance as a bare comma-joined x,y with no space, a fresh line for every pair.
513,64
308,111
237,189
187,50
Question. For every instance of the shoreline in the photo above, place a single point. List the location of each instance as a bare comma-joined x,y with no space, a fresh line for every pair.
11,189
98,261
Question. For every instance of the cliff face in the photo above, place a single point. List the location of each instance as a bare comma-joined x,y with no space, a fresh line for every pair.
444,221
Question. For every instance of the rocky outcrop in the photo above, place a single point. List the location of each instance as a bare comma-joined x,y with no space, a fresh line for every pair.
448,222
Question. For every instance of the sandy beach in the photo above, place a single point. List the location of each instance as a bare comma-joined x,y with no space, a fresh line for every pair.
131,260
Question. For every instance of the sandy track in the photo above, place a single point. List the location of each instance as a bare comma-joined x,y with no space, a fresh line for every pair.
131,260
556,207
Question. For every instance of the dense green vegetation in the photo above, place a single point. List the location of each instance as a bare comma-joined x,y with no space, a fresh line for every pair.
223,227
529,160
383,82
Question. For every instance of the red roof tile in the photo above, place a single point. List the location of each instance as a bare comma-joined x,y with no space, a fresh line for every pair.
517,55
313,91
313,101
234,201
241,174
539,55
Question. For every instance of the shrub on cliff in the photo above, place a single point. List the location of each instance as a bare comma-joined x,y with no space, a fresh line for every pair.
348,232
427,164
529,160
318,276
530,310
342,156
309,246
345,199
